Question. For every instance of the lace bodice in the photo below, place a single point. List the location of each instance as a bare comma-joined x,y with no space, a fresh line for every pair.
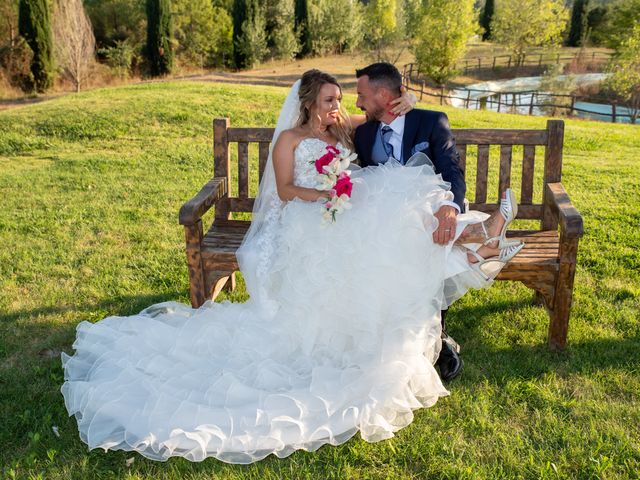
307,151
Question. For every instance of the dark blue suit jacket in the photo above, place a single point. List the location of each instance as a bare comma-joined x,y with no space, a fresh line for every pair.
429,129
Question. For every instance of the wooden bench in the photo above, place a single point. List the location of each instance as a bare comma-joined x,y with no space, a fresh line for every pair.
547,264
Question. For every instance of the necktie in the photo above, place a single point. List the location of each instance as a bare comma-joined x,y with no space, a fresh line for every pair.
387,131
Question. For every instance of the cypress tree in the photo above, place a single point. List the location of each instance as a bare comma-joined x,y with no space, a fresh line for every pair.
579,15
302,27
486,18
239,14
34,25
159,32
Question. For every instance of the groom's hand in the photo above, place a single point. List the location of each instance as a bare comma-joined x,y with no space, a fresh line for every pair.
446,230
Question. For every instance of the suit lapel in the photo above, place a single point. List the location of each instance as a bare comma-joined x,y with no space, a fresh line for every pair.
411,125
368,140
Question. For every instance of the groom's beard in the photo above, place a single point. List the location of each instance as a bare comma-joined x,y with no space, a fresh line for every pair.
375,115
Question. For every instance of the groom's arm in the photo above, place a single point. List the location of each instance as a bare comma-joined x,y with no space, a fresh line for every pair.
446,158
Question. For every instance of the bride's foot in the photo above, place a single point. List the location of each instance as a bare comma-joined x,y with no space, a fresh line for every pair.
491,232
481,259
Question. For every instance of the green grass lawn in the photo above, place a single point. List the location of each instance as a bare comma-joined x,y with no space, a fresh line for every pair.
91,185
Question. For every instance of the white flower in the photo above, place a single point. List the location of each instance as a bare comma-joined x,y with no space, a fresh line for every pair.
325,182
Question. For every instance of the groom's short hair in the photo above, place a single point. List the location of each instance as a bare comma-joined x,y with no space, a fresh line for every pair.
382,74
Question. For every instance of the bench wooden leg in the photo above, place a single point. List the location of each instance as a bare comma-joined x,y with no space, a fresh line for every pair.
218,280
559,325
193,235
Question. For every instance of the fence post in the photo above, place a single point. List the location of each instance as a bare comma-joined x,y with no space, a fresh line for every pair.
421,89
509,62
558,59
479,63
466,103
540,61
493,67
533,94
613,112
442,95
573,104
499,95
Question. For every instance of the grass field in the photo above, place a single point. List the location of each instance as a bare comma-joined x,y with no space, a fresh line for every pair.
91,185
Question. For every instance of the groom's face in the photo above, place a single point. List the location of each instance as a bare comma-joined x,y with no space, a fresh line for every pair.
370,99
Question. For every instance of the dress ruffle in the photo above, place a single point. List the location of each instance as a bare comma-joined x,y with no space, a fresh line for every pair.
347,345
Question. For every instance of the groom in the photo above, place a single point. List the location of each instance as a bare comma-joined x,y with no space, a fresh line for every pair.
386,135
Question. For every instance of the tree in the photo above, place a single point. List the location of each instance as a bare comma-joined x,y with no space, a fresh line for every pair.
281,29
251,44
9,23
34,24
411,13
444,32
74,43
302,26
624,80
621,18
15,54
203,32
239,14
159,49
335,26
596,20
579,23
521,24
486,18
117,21
382,29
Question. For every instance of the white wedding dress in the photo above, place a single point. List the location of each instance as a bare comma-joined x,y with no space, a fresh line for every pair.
345,342
339,335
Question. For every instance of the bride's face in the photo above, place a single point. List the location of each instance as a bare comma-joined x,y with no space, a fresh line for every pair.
327,104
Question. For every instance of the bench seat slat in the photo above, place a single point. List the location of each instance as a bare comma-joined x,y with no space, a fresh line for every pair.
220,243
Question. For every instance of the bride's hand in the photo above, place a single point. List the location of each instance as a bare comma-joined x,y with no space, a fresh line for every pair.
404,103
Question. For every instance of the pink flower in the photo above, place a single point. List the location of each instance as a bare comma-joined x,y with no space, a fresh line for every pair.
343,186
328,205
333,150
324,160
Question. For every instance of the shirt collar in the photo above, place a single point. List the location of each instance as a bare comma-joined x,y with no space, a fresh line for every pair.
397,125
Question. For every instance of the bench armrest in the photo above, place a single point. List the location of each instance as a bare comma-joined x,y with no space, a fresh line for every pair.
571,225
193,210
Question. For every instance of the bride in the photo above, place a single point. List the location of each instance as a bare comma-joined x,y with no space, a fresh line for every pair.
339,335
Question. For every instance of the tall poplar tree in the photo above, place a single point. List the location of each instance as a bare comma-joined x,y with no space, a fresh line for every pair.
239,14
486,17
579,17
34,25
159,32
302,26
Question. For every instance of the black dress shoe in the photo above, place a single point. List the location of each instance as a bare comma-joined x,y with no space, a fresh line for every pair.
449,362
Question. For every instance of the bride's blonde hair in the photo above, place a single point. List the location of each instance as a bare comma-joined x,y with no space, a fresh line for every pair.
310,85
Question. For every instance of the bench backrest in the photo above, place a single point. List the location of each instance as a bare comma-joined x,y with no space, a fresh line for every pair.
471,143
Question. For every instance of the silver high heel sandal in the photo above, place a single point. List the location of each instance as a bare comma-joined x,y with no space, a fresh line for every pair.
509,210
506,254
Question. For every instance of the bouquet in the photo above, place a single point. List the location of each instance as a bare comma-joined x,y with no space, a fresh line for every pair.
333,177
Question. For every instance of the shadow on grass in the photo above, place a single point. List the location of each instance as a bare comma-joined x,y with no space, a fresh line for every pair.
121,305
497,362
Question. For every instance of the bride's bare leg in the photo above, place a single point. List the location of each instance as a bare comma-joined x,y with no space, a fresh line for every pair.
479,232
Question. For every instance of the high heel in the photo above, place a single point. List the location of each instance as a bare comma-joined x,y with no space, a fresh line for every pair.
509,210
506,254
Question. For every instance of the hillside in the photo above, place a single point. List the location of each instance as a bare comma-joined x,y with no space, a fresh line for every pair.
91,185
